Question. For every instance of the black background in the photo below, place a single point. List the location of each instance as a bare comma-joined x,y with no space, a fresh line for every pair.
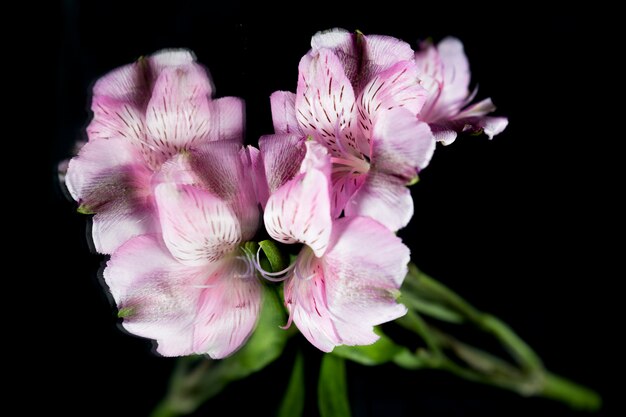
515,225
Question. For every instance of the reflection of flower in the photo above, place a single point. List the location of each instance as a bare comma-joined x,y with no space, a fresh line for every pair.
346,278
359,96
143,113
444,71
195,289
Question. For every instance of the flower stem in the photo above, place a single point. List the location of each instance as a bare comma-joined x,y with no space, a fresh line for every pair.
527,377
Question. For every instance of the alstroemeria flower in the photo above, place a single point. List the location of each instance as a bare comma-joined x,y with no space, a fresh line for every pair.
346,278
359,96
444,71
143,114
194,289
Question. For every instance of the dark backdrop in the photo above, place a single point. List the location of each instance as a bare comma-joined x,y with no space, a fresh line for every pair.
513,224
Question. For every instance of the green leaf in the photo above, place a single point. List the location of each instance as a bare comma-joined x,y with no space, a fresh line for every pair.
293,401
383,351
332,391
197,379
277,260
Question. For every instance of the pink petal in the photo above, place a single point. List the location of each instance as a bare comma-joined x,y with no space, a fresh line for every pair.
456,73
284,112
160,297
227,309
113,118
493,126
127,84
187,310
105,178
396,87
325,102
384,198
119,223
299,211
336,300
305,298
344,185
178,115
363,280
282,156
224,169
344,45
198,227
402,145
258,175
383,52
227,119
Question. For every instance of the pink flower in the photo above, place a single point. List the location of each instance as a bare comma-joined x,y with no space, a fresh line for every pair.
346,278
143,114
444,71
194,289
359,96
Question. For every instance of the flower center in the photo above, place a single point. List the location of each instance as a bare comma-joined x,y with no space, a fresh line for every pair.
350,164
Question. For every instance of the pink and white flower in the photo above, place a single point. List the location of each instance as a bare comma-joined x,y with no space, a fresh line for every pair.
444,71
194,288
143,114
359,96
346,278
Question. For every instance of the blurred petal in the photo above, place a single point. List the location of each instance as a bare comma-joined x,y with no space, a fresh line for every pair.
106,179
198,227
284,112
178,114
258,175
384,198
493,125
187,310
299,211
282,156
224,169
227,119
227,309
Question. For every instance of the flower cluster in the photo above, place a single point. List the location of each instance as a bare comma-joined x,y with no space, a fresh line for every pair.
177,197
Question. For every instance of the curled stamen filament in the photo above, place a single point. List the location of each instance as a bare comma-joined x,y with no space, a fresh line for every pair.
271,276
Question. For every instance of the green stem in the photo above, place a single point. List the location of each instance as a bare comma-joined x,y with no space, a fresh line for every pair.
577,396
530,377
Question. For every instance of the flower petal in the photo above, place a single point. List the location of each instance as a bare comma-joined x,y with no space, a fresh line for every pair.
402,145
299,211
325,102
227,119
198,227
382,52
224,168
284,112
282,156
258,175
227,309
106,179
188,310
384,198
396,87
456,73
362,281
159,298
493,125
178,115
336,300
